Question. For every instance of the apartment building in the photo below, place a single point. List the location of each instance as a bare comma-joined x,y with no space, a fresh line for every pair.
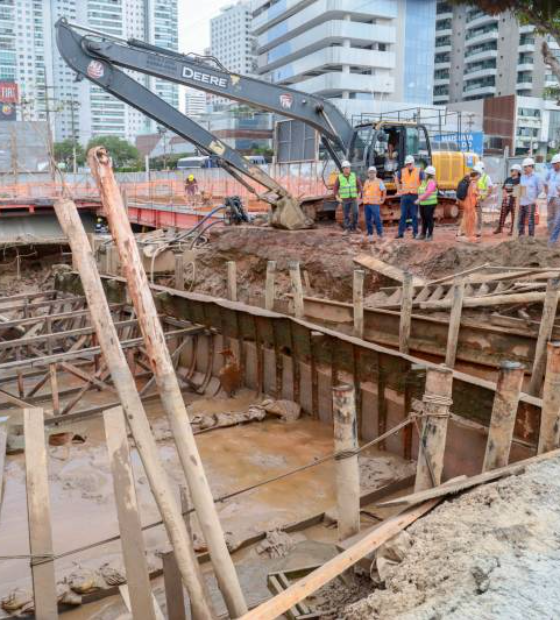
480,56
196,102
362,55
48,90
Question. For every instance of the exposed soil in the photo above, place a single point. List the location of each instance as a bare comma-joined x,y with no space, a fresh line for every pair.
326,258
492,553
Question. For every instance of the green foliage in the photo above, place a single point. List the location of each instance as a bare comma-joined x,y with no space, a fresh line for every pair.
64,153
125,156
167,162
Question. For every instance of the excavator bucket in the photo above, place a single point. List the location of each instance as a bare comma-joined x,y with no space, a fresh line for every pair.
287,214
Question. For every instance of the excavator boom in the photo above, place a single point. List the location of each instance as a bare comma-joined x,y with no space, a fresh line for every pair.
75,49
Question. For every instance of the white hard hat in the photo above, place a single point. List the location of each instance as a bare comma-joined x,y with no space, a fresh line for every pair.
518,168
408,160
346,164
479,167
528,161
430,170
556,159
372,169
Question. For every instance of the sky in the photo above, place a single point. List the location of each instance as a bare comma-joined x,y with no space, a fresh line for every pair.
194,23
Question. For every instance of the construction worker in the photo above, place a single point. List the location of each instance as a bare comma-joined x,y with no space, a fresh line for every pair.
533,186
468,207
100,226
408,182
508,199
428,201
552,185
485,190
347,188
373,196
191,187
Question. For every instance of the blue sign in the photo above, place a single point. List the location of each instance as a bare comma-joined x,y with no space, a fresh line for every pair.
467,141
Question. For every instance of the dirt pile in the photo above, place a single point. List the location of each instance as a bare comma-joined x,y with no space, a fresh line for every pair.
326,258
492,553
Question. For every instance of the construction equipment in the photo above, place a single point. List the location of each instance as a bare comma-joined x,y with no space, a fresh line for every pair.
100,58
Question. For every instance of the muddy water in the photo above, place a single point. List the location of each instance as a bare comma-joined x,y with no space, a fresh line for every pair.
82,504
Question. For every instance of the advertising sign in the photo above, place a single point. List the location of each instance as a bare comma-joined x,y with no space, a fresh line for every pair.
9,98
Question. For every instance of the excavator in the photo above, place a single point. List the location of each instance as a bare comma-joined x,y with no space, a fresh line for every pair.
103,59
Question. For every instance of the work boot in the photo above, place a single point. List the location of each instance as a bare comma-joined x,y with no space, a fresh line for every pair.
370,238
498,231
429,237
420,237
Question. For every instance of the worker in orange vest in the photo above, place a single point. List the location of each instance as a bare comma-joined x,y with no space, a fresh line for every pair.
408,182
373,196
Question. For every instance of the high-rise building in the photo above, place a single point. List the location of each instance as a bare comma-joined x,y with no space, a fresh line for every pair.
47,85
359,54
231,39
479,56
196,102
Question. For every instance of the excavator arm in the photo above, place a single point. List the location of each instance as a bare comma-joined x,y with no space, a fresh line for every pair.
75,49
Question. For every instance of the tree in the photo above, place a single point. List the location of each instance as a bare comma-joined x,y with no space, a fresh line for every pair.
543,14
123,154
64,153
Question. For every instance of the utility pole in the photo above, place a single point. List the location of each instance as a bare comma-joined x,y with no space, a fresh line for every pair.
50,145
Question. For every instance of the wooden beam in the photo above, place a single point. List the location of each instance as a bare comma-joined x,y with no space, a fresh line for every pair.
504,413
174,594
71,223
358,302
389,271
550,307
297,290
167,383
406,313
39,514
231,280
549,435
431,448
486,302
455,323
270,285
333,568
3,443
130,527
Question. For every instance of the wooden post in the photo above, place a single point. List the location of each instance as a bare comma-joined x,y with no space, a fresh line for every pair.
3,443
406,313
358,294
455,323
431,448
179,271
174,594
270,285
549,436
168,384
347,468
297,290
550,306
39,514
504,412
231,280
54,389
132,542
115,359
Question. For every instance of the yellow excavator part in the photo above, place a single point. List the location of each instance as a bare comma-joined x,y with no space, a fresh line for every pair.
451,167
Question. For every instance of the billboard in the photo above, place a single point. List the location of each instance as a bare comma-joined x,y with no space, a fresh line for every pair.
466,141
9,98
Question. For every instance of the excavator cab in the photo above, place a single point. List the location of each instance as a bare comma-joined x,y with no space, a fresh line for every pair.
386,144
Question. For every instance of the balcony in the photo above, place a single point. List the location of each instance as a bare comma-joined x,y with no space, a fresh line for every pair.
480,73
481,20
527,48
441,99
443,65
441,81
482,55
329,84
482,37
445,32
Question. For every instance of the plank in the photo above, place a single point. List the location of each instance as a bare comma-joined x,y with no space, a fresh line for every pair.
132,542
452,488
309,584
39,514
389,271
3,442
125,593
174,593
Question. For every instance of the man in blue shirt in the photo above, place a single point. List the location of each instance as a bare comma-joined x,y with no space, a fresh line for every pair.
532,187
552,183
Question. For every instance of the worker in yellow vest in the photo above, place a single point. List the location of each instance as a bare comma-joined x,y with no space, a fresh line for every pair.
373,196
408,182
347,188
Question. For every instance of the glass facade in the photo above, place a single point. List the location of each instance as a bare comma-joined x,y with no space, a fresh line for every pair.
419,49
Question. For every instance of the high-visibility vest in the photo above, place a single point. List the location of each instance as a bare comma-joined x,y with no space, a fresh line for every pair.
372,192
410,180
430,200
483,183
348,186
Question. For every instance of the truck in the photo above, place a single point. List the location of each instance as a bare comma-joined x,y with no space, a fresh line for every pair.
104,59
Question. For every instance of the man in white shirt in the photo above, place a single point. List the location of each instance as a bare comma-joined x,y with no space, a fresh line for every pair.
552,185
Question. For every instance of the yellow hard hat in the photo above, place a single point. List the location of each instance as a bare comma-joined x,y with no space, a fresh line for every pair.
191,177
